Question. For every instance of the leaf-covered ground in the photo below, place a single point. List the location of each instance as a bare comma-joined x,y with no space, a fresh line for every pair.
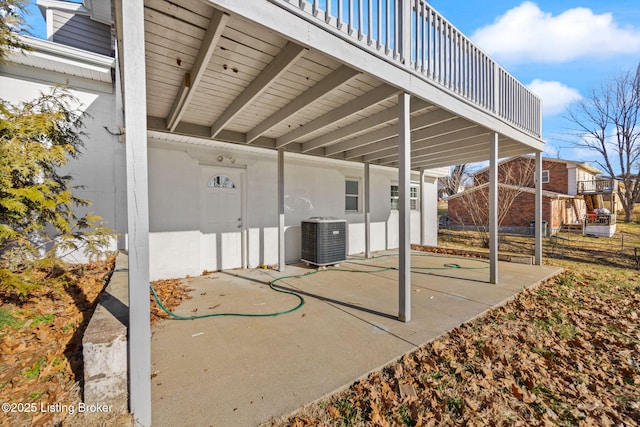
41,340
41,344
171,293
566,353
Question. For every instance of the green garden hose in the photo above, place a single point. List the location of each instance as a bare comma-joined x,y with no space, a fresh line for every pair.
446,266
176,316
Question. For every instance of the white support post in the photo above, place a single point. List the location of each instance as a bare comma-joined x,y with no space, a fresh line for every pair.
135,120
367,211
538,204
493,208
423,210
281,209
404,179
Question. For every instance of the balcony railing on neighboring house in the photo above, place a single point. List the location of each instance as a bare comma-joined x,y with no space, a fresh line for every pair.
412,34
600,219
597,186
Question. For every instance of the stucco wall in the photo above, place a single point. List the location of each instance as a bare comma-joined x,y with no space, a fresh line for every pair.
313,187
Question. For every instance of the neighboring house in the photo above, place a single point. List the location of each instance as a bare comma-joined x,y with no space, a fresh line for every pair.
572,194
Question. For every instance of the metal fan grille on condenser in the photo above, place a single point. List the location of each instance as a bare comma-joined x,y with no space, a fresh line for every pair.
324,240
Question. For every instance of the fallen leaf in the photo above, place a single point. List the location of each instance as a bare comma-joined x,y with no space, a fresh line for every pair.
376,416
333,412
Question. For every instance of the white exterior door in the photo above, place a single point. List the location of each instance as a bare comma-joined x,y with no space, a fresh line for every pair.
221,218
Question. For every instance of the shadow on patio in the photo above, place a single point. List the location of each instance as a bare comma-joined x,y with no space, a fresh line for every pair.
244,370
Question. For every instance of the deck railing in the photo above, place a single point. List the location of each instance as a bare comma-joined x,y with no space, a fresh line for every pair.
597,186
415,35
599,219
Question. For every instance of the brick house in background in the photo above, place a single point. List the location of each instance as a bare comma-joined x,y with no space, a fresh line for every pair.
571,193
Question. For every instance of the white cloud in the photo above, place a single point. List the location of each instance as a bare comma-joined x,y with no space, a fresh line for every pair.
555,96
527,34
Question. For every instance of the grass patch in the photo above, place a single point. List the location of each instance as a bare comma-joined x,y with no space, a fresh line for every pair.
37,395
34,371
405,416
454,405
45,319
350,413
7,319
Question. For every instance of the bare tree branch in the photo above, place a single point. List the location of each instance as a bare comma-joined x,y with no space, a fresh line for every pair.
514,177
607,122
453,183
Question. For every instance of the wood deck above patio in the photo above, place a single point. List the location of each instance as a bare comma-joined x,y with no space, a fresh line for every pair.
322,78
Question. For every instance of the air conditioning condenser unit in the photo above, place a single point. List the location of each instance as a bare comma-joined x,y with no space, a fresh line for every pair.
324,240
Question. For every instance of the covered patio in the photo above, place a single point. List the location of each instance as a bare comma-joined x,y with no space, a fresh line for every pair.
240,371
384,83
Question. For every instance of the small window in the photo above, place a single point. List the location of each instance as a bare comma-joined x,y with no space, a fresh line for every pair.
351,195
395,198
545,177
414,197
221,181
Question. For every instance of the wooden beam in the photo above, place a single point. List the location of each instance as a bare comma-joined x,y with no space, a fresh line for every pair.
428,119
295,26
385,116
203,132
285,59
435,130
468,146
320,89
451,160
370,98
209,42
455,140
470,150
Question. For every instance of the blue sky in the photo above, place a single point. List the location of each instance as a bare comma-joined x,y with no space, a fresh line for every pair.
561,49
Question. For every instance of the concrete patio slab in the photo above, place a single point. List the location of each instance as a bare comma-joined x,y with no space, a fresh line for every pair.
241,371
